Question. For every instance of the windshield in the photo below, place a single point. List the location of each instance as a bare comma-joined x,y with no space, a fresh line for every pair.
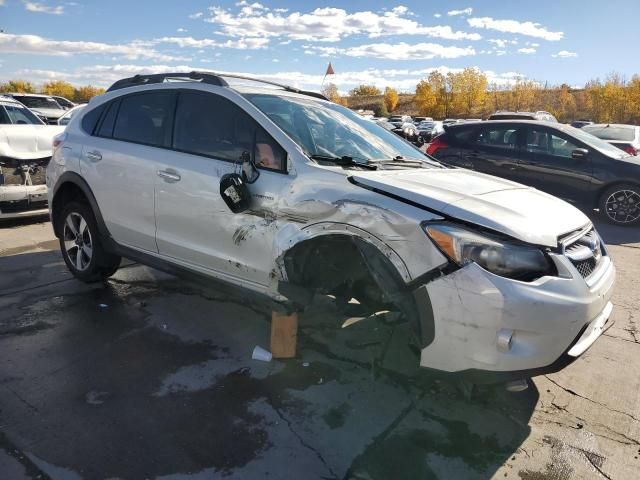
39,102
326,129
610,132
18,115
596,143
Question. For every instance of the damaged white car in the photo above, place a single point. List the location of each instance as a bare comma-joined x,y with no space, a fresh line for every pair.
25,151
280,191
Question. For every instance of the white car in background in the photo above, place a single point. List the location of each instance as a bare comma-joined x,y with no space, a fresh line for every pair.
25,151
66,118
42,105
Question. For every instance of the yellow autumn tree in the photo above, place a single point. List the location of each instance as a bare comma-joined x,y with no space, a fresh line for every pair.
59,88
86,93
425,98
365,91
390,99
17,86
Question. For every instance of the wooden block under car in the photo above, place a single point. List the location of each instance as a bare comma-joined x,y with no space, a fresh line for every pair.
284,335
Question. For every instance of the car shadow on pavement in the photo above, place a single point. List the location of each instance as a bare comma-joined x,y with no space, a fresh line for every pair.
614,234
149,375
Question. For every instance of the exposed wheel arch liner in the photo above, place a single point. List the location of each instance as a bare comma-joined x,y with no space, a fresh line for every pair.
74,180
290,237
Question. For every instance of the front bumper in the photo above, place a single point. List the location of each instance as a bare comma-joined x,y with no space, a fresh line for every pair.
481,322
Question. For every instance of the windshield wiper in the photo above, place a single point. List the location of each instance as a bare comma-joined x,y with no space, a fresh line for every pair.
344,161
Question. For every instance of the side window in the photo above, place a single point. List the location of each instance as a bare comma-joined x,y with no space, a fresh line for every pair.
108,120
502,136
213,126
20,116
145,118
4,118
542,141
90,118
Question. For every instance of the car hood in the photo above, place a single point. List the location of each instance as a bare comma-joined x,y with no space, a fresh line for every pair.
521,212
49,112
27,142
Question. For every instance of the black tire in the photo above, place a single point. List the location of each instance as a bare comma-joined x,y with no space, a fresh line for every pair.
80,245
620,204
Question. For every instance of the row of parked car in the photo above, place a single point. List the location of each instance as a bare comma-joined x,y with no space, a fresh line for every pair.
28,123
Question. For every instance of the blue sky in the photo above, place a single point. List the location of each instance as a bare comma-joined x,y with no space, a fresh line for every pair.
385,43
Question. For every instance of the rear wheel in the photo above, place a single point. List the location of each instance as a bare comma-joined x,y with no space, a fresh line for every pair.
620,204
80,244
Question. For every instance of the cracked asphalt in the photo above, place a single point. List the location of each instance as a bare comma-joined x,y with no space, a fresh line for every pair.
151,376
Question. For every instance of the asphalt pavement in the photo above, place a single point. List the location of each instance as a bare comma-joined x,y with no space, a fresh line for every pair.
150,376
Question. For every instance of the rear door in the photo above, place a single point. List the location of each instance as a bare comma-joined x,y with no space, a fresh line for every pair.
547,164
494,149
120,163
194,224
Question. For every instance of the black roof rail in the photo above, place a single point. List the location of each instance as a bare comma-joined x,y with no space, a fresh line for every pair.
136,80
204,77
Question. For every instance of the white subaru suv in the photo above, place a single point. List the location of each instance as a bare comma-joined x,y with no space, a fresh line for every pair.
282,192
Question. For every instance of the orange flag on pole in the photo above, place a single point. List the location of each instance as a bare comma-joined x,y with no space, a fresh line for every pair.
329,70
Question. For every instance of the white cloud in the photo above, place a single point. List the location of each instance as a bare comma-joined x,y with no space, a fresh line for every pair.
466,11
190,42
437,15
36,45
403,79
502,43
527,50
326,24
530,29
564,54
398,51
196,15
181,30
42,8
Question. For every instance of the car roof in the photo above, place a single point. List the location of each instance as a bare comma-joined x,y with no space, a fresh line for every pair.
616,125
20,94
6,98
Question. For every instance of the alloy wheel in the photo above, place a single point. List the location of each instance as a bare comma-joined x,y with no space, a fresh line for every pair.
78,243
623,206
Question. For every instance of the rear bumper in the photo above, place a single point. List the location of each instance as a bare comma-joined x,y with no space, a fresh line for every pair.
483,324
17,201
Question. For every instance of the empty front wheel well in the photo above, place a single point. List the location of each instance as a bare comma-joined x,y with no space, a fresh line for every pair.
67,192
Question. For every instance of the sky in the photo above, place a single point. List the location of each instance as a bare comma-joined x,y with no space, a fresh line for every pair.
385,43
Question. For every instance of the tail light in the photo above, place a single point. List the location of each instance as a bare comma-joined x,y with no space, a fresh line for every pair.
59,140
631,150
436,145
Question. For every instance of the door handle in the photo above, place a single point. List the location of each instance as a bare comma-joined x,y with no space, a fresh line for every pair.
94,156
169,176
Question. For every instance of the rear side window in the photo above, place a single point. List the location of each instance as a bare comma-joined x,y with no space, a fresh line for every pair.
4,118
90,118
210,125
108,121
609,132
502,136
145,118
21,116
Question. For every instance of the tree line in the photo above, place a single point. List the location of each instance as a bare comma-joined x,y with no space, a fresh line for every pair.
55,87
469,94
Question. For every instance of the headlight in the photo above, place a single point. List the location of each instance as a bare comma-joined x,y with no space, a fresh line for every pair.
462,246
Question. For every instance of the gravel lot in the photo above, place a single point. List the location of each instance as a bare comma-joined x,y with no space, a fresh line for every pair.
150,376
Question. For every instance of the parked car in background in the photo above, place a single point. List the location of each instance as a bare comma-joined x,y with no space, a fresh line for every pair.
42,105
581,123
66,118
63,102
468,120
561,160
539,115
288,194
451,121
429,129
408,131
625,137
398,120
417,120
25,151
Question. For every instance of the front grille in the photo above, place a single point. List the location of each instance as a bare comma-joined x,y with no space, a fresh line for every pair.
585,267
585,253
21,206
